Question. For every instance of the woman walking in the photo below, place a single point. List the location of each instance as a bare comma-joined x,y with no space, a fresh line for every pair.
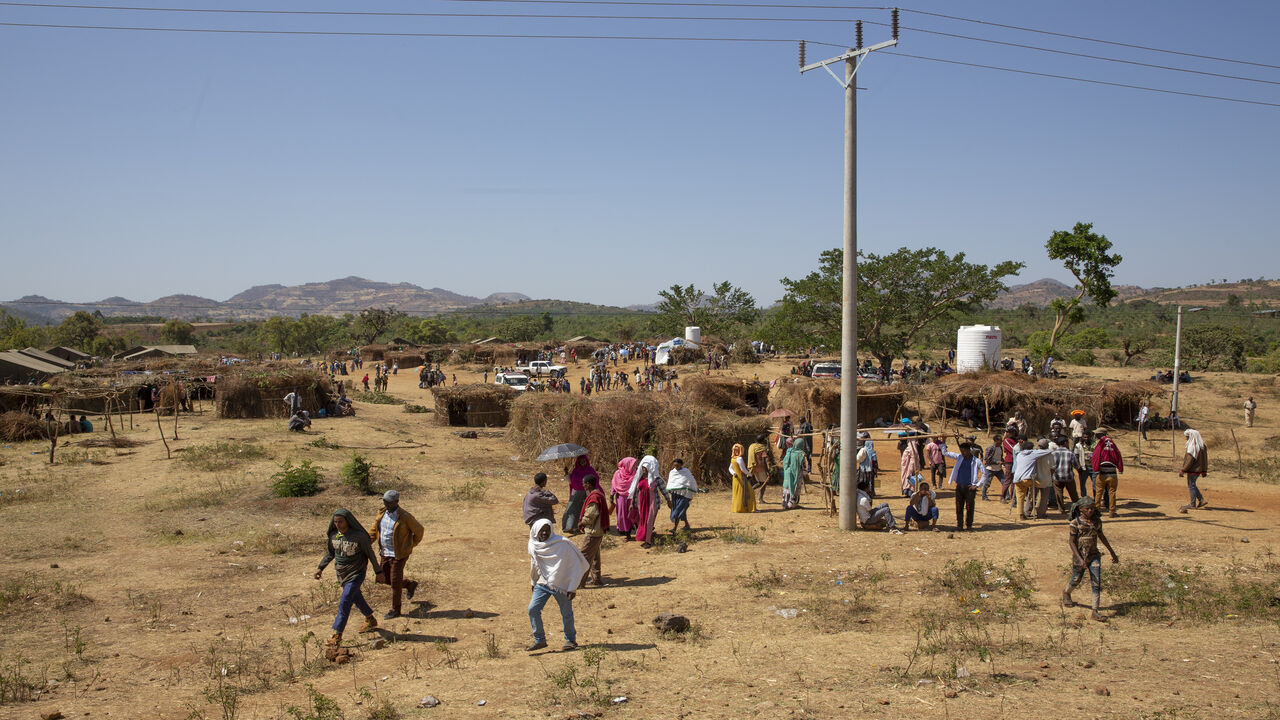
625,519
909,465
744,499
644,496
349,548
577,493
793,473
1195,464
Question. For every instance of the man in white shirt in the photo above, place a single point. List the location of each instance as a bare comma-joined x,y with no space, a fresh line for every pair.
1142,420
1077,427
398,533
877,518
922,509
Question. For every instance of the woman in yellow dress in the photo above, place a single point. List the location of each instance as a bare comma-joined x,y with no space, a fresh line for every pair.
744,501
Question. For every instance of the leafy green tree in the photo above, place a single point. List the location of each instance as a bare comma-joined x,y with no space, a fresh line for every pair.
899,296
521,328
432,331
373,322
15,333
726,309
78,330
1086,255
274,333
177,332
1205,345
548,323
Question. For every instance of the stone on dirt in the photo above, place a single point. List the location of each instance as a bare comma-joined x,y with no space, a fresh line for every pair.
668,622
429,701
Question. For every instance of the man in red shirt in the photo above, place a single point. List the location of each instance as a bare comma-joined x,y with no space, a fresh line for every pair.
1108,463
1010,446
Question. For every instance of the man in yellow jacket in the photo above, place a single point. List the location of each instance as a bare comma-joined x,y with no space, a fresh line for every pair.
397,533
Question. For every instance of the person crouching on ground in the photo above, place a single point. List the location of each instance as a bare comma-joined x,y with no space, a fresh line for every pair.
300,421
594,523
398,534
349,548
1084,532
680,486
556,570
923,509
539,502
879,517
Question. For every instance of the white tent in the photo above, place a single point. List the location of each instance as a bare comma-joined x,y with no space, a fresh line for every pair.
663,353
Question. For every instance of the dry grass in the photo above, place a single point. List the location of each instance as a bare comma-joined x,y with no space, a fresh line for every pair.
19,426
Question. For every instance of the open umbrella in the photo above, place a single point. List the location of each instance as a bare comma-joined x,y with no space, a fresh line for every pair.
562,452
781,412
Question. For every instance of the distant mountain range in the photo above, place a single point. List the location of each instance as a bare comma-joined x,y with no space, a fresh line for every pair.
1042,292
335,297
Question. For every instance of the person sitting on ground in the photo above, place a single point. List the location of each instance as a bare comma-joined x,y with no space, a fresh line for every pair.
85,425
300,421
879,517
923,509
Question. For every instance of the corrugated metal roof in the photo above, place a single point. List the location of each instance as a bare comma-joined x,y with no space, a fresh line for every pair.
43,356
13,357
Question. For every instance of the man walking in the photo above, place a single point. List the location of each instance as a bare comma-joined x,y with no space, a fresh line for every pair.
1065,467
539,502
556,570
1249,407
966,476
992,468
398,534
1108,464
1024,475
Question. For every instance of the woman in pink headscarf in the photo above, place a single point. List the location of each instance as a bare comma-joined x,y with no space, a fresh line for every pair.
626,512
646,487
577,493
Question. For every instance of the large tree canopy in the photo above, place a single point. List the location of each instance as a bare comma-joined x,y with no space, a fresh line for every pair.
725,311
1086,255
899,296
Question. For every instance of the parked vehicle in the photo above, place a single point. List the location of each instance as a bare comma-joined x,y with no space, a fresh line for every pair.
516,381
542,368
826,370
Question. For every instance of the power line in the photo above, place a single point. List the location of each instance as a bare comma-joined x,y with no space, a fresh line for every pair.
351,33
1077,54
1084,80
957,18
1073,37
667,18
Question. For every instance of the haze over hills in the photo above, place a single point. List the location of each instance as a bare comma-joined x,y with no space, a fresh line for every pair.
353,294
335,297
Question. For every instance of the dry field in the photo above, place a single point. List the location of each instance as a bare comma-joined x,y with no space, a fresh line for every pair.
144,587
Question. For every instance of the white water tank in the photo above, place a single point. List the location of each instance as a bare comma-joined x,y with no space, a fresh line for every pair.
977,348
693,334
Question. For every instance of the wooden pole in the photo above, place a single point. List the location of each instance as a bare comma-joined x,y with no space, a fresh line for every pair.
986,406
176,405
167,452
1239,458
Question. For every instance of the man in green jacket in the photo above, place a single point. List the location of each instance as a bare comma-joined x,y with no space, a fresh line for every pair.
397,533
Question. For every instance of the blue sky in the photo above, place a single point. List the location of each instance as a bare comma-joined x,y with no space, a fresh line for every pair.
148,163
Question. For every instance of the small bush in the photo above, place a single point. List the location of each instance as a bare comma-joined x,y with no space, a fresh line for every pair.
296,481
740,535
417,409
377,398
985,585
356,474
469,491
323,444
1083,356
221,455
1161,592
15,684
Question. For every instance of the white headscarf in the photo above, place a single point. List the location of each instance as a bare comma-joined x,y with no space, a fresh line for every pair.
1195,443
649,463
556,562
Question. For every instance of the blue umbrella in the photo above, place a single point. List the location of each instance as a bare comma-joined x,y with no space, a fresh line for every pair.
562,452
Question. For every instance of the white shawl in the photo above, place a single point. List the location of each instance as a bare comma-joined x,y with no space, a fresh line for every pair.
1195,443
556,563
649,463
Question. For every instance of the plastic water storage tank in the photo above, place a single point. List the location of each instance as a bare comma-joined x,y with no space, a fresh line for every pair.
977,348
693,334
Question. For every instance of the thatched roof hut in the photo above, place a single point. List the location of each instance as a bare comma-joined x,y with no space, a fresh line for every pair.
818,399
474,405
743,397
260,393
1001,393
632,425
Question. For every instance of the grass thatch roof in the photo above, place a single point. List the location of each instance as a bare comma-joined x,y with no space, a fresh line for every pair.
819,400
1039,399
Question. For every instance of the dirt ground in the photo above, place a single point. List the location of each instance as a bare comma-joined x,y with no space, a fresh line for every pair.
143,587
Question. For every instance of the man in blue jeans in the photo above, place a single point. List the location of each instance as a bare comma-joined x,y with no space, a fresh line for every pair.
556,569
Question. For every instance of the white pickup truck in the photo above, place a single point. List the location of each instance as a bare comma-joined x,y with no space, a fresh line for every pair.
542,368
516,381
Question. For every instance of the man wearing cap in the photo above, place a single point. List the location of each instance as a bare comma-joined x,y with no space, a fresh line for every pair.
1108,464
966,476
398,534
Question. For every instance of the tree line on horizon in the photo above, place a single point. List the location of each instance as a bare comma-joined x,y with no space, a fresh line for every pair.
910,303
